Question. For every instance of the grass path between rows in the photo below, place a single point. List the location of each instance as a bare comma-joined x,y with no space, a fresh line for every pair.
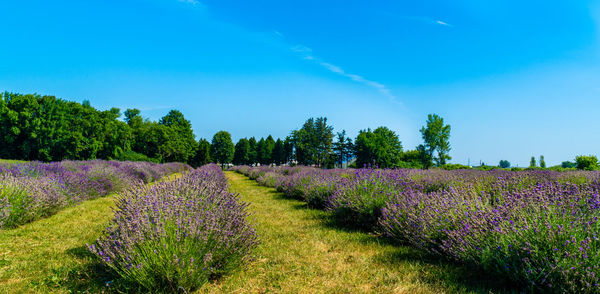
50,254
303,252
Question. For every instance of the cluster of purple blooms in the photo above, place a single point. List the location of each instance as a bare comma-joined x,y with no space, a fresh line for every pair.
178,234
32,190
538,229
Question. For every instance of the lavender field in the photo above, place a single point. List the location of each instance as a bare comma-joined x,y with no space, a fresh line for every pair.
535,229
31,190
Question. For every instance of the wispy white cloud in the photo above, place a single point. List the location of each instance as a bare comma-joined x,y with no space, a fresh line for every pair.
307,54
443,23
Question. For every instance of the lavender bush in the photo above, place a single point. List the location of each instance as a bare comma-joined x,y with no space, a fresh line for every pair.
32,190
536,228
177,235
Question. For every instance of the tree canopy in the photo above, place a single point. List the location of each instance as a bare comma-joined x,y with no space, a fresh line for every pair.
436,137
312,142
380,148
222,148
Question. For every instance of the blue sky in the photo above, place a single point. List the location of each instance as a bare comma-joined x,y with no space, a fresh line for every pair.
513,79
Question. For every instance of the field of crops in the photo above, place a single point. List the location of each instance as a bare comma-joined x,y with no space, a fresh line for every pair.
537,229
30,190
169,236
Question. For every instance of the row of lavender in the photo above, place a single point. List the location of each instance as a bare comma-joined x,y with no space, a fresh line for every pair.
174,236
32,190
536,228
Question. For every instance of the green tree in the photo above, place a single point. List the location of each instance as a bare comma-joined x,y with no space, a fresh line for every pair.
261,151
411,159
589,162
542,162
242,150
202,155
288,149
180,144
504,164
343,148
222,148
313,142
532,162
380,148
568,164
436,137
252,151
267,152
278,155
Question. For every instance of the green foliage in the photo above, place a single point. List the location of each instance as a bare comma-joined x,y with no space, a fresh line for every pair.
180,143
242,150
288,149
313,142
202,155
504,164
34,127
532,162
265,149
436,136
380,147
222,148
454,166
589,162
568,164
134,156
252,151
343,148
542,162
411,159
278,154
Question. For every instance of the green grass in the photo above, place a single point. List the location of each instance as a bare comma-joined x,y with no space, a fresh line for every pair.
11,161
50,255
303,251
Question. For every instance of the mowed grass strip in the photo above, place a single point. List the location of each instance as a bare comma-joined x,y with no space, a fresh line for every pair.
50,255
302,252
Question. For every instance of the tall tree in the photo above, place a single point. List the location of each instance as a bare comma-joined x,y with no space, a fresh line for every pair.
278,154
542,162
436,137
261,152
380,148
343,148
222,148
504,164
288,149
180,144
268,150
252,151
313,142
532,162
242,150
202,155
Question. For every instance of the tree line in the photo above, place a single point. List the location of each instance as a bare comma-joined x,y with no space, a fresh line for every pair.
315,144
46,128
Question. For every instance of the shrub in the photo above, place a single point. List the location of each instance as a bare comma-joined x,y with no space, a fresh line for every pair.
588,162
179,234
134,156
358,201
32,190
